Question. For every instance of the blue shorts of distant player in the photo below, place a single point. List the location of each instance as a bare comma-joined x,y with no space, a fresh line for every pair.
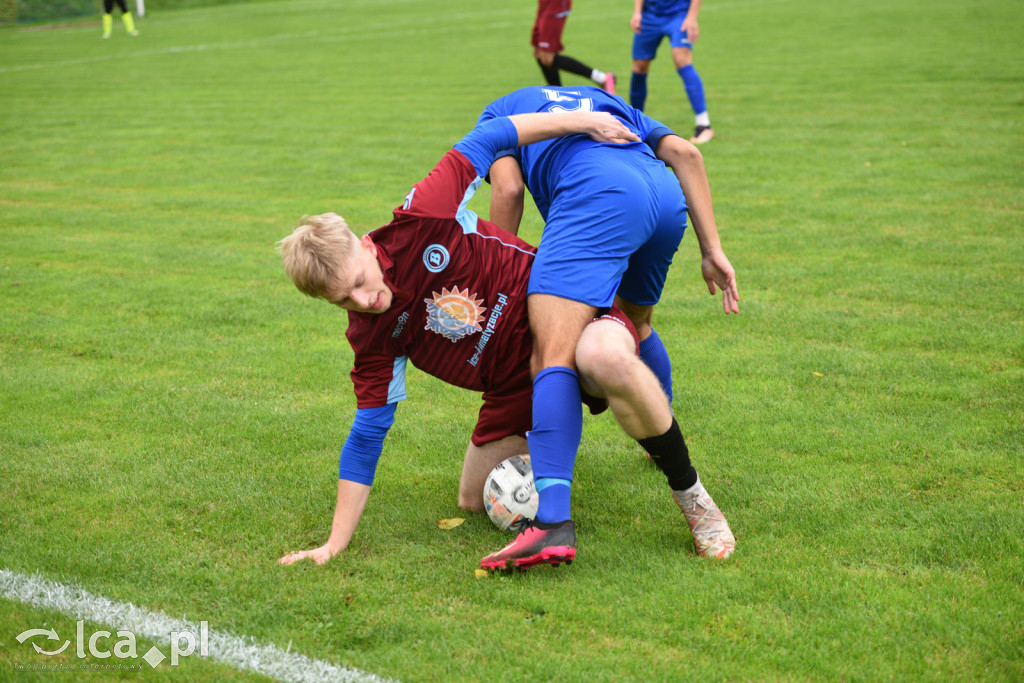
653,28
615,222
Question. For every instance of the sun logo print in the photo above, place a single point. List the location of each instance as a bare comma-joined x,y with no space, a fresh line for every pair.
454,314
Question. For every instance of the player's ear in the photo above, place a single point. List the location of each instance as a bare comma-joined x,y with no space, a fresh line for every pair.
368,245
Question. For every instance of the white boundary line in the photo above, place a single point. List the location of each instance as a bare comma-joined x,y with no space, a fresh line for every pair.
242,653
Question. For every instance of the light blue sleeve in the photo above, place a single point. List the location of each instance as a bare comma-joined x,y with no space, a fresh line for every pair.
365,443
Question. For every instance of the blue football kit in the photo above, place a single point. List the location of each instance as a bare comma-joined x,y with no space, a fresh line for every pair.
614,214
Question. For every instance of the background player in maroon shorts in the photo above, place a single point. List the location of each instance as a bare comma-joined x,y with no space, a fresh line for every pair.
446,290
546,39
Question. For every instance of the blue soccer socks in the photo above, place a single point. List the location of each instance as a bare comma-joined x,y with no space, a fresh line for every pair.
554,439
655,356
694,88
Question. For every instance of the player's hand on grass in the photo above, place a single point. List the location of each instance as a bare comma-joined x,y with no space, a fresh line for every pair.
319,555
718,271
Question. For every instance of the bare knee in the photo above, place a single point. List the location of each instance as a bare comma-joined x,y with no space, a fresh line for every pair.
682,57
641,66
605,364
546,58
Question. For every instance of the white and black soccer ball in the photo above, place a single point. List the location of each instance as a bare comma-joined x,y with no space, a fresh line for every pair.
510,495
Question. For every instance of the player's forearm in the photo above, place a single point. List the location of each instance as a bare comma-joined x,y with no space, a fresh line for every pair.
507,194
352,498
694,8
688,165
602,126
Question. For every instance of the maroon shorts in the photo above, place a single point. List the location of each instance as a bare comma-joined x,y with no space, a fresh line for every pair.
510,412
547,29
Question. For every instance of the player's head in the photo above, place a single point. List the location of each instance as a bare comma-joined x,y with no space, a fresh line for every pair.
326,260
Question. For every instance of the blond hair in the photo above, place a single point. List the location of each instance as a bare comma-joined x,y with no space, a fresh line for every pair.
316,253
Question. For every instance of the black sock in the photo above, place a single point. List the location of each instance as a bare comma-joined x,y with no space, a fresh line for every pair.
572,66
550,73
670,454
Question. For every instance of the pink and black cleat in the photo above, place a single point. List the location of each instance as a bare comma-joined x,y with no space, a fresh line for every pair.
538,543
609,83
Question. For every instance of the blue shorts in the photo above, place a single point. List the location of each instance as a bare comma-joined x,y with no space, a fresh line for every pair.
615,222
653,29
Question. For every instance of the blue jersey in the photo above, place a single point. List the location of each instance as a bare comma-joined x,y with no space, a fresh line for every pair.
542,163
665,8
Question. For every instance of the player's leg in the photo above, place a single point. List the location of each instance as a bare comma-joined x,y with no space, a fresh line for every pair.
652,350
682,56
546,37
645,48
479,462
108,19
555,436
500,433
609,368
546,62
574,66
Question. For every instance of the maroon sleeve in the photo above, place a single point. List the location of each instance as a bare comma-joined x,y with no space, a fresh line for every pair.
444,191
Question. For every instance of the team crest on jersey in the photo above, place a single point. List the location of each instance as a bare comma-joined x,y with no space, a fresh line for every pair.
454,314
435,258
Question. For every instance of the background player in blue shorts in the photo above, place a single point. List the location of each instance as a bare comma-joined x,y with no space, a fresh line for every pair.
653,20
389,283
614,216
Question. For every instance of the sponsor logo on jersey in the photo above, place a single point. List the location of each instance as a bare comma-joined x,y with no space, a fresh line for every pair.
402,320
492,323
435,258
454,314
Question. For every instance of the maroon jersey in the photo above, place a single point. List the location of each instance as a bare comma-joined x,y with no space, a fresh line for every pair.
459,305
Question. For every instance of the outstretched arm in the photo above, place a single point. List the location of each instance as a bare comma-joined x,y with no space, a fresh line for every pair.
688,165
352,497
356,468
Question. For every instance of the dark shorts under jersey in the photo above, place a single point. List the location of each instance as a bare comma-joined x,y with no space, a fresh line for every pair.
510,413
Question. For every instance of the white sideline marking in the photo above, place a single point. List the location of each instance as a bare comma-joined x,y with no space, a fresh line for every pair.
242,653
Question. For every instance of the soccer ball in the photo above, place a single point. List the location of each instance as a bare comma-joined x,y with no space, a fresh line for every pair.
510,496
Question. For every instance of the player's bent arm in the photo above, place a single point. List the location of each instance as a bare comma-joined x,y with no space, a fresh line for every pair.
490,139
601,126
507,194
687,163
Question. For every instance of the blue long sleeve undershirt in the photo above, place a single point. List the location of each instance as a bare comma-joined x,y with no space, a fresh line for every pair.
484,144
365,442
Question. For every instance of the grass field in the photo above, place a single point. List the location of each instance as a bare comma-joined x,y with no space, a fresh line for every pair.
171,409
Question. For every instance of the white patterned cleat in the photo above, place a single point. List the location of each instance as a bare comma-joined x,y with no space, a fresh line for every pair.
711,533
702,134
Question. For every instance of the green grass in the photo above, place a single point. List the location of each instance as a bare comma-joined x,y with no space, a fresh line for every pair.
171,408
